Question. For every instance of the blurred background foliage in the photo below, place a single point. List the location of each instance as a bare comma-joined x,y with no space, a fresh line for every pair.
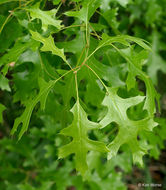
32,163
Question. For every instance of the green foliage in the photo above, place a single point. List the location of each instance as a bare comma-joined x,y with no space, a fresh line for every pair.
41,97
14,53
94,84
4,83
87,10
47,17
2,108
7,1
80,144
128,129
48,45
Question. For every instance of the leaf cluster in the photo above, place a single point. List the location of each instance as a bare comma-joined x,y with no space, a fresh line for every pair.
84,85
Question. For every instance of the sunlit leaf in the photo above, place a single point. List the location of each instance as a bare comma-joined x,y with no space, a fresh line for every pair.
128,129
